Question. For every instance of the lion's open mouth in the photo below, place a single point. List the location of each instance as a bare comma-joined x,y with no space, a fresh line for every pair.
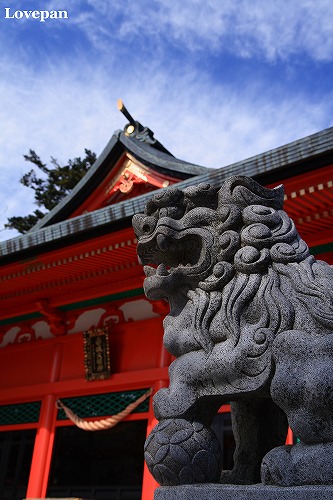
171,259
169,254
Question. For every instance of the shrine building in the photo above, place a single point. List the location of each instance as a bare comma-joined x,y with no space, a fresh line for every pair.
75,325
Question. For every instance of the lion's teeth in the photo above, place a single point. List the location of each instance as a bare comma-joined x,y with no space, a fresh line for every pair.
149,271
162,270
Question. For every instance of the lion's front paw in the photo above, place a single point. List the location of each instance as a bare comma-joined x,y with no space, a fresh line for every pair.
298,465
276,467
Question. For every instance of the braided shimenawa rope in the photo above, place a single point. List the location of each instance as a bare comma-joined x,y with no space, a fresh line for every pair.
105,423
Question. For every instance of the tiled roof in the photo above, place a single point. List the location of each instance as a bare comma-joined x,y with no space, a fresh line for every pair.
278,160
119,143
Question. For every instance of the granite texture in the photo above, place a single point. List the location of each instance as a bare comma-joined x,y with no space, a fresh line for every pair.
250,322
253,492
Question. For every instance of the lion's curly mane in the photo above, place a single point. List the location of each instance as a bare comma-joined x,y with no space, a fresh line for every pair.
264,277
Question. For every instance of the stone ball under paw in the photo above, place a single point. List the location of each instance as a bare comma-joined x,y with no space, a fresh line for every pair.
182,452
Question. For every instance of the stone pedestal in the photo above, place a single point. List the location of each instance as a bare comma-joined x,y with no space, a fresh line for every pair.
237,492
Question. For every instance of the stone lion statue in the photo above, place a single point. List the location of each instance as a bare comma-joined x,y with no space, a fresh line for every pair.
250,323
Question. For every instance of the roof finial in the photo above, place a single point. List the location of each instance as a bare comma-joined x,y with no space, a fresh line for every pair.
124,111
135,130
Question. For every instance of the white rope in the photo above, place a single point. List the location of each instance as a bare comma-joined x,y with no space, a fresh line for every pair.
106,423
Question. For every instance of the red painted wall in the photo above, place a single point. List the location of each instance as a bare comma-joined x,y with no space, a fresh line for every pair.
134,346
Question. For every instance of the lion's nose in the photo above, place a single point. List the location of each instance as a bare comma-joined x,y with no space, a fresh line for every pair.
143,225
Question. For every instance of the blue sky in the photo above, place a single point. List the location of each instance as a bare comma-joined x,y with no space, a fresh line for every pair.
217,81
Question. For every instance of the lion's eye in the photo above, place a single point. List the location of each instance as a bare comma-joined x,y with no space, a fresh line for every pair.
143,224
149,225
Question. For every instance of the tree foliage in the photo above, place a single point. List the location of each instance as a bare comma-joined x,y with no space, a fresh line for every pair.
51,187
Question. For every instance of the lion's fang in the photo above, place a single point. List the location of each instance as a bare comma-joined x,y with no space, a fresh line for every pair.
162,270
162,242
149,271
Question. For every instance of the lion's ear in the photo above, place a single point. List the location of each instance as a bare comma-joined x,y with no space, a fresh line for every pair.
244,191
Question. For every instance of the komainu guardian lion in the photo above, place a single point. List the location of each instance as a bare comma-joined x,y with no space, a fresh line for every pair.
251,322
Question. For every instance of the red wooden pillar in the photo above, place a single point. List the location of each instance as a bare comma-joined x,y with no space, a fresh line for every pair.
42,454
290,437
149,484
42,449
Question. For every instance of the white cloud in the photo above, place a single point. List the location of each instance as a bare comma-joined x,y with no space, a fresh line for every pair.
61,112
271,30
267,29
63,107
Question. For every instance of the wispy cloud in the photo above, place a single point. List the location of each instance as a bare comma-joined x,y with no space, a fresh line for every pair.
59,82
59,113
271,30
